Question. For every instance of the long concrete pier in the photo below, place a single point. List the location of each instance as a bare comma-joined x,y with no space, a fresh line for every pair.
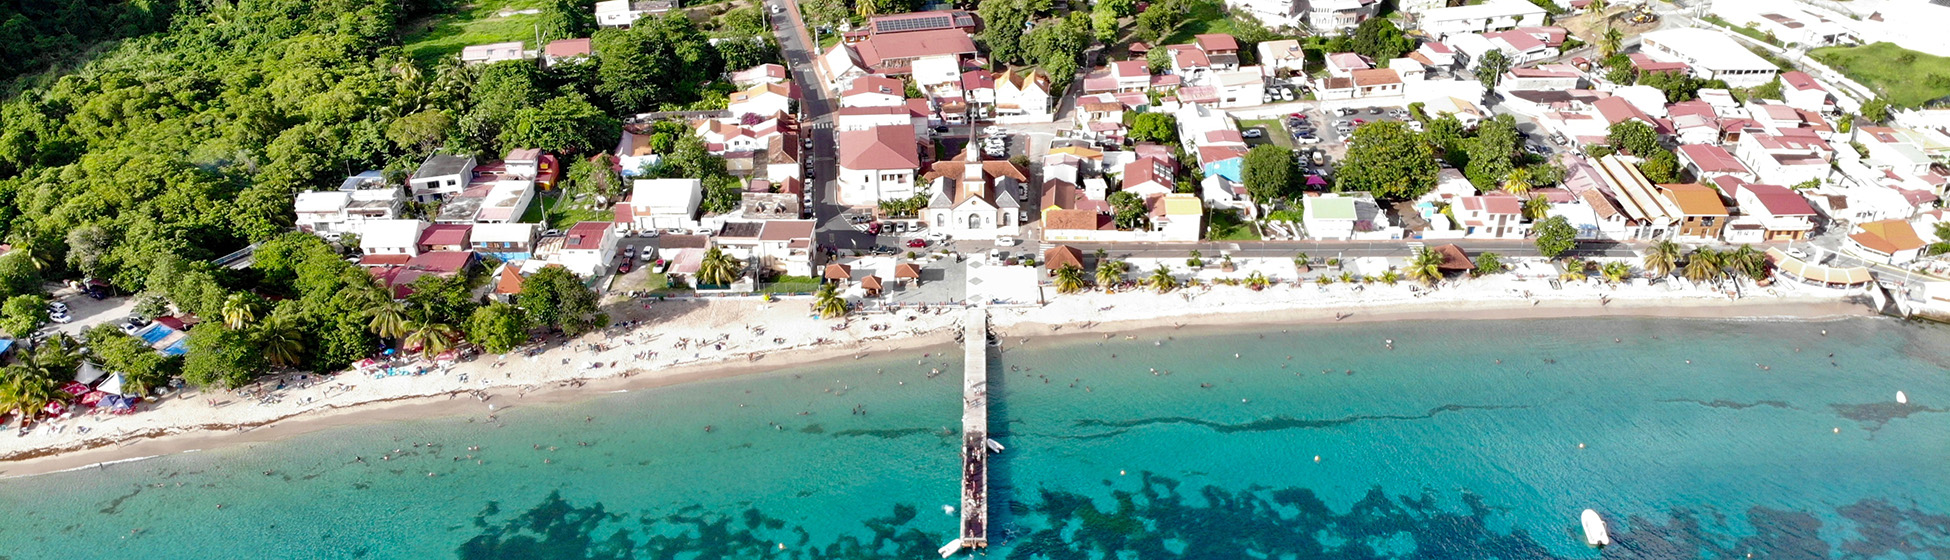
975,430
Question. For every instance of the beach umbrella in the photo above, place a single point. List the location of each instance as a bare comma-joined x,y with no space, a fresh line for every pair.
75,388
93,398
113,385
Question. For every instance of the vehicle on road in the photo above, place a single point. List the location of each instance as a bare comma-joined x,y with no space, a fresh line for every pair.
1374,110
917,243
1307,140
1005,241
627,265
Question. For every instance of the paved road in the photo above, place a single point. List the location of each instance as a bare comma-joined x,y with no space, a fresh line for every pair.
1330,249
818,106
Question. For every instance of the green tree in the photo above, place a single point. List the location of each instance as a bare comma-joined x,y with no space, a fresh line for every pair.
21,315
565,19
1704,265
441,299
1270,173
556,298
1103,21
281,338
1161,279
1876,110
429,339
566,124
1155,127
221,357
1002,30
828,303
1660,258
1555,236
1490,69
498,327
387,317
1488,263
1634,137
1379,39
1615,271
718,268
1159,21
1129,211
1609,42
239,310
1425,266
1661,167
1110,273
1389,160
142,367
18,275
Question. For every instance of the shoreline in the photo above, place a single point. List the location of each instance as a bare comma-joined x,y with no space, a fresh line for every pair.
1040,322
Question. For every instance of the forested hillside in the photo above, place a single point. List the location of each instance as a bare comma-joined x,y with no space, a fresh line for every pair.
38,34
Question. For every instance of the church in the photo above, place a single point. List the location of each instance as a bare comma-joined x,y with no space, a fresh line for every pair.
975,199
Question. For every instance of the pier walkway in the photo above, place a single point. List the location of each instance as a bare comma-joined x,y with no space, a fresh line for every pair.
975,433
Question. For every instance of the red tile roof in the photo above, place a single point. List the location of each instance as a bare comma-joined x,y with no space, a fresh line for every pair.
586,236
446,234
1888,236
1215,42
1781,201
880,147
567,47
1712,159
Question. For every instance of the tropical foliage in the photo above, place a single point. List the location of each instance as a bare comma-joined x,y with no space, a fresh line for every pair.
1661,258
828,302
1425,266
1161,279
1069,279
718,268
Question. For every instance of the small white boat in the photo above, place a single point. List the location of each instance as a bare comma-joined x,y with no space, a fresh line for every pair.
947,509
950,549
1902,398
994,446
1594,529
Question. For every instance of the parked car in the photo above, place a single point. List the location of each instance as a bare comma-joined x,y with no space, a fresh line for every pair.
1374,110
1253,133
53,306
626,266
60,317
1308,140
917,243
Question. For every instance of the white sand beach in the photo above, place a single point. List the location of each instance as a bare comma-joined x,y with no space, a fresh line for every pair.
688,340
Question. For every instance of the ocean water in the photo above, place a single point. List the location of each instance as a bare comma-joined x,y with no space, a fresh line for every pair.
1463,440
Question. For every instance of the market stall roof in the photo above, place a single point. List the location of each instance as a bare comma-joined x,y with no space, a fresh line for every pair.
1061,255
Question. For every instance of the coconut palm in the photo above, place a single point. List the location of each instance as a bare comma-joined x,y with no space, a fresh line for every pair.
1101,254
430,338
388,317
1661,258
1573,270
1748,262
1390,277
1615,271
1425,266
1069,279
26,393
281,340
1535,207
1257,281
1610,41
238,311
1519,181
1110,273
828,303
1704,265
718,268
1161,279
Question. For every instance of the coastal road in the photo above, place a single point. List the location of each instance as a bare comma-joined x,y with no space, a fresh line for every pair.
1348,249
817,105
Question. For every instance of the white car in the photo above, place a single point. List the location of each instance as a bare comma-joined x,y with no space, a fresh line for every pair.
1005,241
777,8
1253,133
60,317
1309,140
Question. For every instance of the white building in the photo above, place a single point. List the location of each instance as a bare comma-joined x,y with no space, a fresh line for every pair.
1711,55
392,237
657,204
1492,15
1244,87
1022,97
764,100
782,245
878,164
1284,54
494,52
441,175
624,13
508,242
975,199
586,249
361,198
840,66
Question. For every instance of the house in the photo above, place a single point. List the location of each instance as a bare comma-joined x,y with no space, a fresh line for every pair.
1436,54
360,198
874,91
1804,93
975,199
391,238
767,73
1227,161
506,201
1328,16
507,282
1543,77
1711,55
1700,214
1492,216
494,52
441,175
400,277
1706,161
1272,13
1409,69
878,164
781,245
1379,82
1149,176
586,249
507,242
1492,15
1466,113
840,66
1886,241
1022,96
1329,217
894,54
934,20
1243,87
762,100
1177,216
1787,159
663,204
624,13
565,51
1649,214
1222,193
1284,54
1221,50
1189,64
1343,65
1780,213
445,237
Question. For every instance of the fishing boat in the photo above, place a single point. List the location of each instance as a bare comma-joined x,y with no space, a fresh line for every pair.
1594,530
1902,398
950,549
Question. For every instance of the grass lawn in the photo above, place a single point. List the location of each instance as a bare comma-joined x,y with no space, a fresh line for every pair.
1205,17
1275,131
476,24
1902,76
560,215
1743,30
791,285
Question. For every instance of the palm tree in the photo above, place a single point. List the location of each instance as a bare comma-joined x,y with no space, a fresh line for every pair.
1110,273
26,394
1391,277
1661,258
1747,261
388,317
1518,182
1197,261
1615,271
828,302
1161,279
1703,265
238,311
1574,269
1535,207
1257,281
1069,279
718,268
1303,262
1610,41
431,338
1101,254
1426,266
281,340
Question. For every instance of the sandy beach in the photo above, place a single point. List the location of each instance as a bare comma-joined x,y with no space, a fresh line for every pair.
686,341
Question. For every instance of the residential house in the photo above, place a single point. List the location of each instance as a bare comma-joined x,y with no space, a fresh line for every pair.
934,20
762,99
782,245
895,54
445,237
1329,217
1284,54
1706,161
1466,113
1380,82
1149,176
505,202
1435,54
507,242
361,198
567,51
767,73
1787,159
878,164
1409,69
1243,87
1330,16
440,175
1223,160
1343,65
400,277
663,204
1493,216
494,52
1022,96
395,238
1543,77
1221,50
1886,241
1710,55
1272,13
1700,216
1804,93
1221,193
875,91
587,249
1492,15
840,66
1776,213
624,13
1649,214
1189,64
1177,216
975,199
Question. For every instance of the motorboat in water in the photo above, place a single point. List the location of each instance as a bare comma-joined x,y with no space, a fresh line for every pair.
1594,529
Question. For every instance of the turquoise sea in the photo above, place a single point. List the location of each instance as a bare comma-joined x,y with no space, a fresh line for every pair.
1314,442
